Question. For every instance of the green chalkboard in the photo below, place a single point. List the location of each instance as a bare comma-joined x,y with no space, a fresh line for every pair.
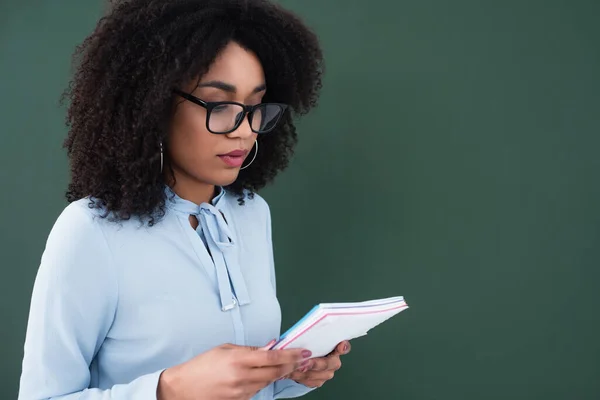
453,159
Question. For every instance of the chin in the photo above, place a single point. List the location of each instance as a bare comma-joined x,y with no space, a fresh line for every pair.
226,178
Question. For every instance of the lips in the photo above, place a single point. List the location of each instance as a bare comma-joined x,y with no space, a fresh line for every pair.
236,153
234,158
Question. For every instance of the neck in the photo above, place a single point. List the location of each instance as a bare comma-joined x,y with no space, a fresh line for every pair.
192,190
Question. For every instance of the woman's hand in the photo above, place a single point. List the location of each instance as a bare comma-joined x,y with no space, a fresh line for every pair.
321,369
228,372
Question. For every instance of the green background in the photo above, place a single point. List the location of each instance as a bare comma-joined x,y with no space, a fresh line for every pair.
453,159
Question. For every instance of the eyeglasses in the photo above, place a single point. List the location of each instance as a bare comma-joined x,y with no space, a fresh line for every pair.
226,116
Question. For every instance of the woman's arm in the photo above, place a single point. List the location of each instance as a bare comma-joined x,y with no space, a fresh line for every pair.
73,304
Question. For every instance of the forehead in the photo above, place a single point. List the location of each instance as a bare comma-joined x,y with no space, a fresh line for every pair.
237,66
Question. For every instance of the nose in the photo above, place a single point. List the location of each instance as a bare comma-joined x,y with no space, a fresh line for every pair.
243,131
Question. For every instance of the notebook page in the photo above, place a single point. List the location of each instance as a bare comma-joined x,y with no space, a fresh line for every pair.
368,303
335,326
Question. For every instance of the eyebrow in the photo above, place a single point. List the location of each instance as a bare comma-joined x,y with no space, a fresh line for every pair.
226,87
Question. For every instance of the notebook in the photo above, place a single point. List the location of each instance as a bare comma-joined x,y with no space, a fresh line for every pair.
328,324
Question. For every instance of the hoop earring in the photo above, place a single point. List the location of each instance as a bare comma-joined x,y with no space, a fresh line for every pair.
255,153
161,157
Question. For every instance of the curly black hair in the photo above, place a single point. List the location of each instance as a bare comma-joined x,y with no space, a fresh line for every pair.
121,104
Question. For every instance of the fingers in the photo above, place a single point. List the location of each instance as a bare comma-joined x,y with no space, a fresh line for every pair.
268,346
273,358
263,366
321,369
272,373
342,348
231,346
329,363
319,364
313,375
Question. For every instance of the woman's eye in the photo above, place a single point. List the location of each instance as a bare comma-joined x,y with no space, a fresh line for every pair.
220,108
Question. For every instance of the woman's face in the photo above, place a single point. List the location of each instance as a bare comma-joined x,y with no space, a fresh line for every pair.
199,157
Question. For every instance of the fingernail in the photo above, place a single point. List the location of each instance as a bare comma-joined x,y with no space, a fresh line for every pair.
346,348
306,353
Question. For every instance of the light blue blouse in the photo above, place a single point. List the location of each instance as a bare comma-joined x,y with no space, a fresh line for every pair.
114,304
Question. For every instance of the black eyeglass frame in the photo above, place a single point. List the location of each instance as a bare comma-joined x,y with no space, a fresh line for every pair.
248,111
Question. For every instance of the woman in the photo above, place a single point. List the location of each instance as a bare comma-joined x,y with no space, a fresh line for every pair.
157,281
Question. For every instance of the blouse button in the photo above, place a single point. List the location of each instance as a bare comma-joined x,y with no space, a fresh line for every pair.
230,306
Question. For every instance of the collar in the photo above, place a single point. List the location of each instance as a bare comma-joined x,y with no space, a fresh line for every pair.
221,243
179,204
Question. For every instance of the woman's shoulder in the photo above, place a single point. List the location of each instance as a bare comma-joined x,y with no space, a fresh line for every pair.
77,222
85,222
76,243
76,259
90,212
78,213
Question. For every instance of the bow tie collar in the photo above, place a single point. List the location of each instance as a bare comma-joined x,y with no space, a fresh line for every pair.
219,239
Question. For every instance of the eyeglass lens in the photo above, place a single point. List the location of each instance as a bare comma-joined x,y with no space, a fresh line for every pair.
225,117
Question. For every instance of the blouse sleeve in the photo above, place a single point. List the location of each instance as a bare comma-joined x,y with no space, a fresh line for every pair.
73,303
